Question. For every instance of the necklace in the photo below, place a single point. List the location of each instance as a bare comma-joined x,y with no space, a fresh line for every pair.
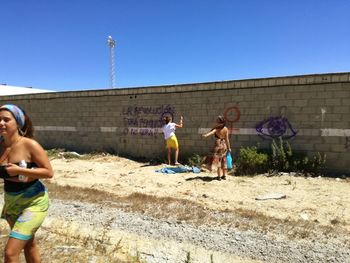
8,150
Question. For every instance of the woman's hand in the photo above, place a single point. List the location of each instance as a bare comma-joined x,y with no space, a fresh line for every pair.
13,169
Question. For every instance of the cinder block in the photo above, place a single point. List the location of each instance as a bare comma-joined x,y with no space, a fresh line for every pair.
300,103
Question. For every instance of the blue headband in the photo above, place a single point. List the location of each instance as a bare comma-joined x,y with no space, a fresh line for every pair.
16,112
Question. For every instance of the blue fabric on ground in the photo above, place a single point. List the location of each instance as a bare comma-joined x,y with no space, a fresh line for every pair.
196,170
165,171
179,169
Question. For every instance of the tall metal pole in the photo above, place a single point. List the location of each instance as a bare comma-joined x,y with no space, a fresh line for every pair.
111,43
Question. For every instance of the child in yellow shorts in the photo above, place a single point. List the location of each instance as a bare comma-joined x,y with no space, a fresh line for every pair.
170,137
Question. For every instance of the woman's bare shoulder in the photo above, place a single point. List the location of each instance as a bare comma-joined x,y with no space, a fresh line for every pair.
224,131
30,142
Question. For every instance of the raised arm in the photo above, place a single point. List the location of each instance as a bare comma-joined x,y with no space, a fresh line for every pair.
179,125
209,133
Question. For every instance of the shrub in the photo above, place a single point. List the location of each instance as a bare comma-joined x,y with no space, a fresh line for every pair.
283,159
195,160
315,164
251,162
279,158
281,155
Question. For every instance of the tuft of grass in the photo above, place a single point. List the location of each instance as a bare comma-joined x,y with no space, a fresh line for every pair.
58,153
63,247
195,160
53,153
335,221
188,258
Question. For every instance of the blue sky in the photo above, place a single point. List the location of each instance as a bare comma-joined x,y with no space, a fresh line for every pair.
62,45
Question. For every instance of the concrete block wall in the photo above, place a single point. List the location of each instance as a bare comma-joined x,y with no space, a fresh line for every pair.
311,111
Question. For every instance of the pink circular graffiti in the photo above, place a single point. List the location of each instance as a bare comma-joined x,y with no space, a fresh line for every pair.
236,112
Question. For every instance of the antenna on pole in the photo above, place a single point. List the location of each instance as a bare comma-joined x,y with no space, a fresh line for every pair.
111,43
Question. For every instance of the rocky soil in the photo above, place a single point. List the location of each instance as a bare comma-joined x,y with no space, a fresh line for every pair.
170,241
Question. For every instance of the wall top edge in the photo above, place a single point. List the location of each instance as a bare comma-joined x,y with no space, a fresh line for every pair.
227,84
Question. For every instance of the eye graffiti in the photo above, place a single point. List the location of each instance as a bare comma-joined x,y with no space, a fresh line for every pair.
275,127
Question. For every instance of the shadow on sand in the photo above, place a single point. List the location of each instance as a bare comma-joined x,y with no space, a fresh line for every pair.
203,178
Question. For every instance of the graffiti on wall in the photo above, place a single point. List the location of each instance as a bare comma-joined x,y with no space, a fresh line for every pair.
347,143
145,120
232,116
274,127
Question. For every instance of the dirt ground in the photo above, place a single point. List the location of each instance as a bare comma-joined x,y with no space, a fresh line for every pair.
313,217
322,200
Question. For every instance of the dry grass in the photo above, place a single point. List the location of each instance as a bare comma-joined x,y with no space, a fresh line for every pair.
181,210
61,153
63,247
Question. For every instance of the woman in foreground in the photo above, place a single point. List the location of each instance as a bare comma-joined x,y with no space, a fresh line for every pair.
23,162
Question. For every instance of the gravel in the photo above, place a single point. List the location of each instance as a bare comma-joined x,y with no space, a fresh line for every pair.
247,244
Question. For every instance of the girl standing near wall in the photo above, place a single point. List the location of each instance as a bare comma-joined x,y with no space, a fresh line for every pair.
217,161
170,137
26,199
